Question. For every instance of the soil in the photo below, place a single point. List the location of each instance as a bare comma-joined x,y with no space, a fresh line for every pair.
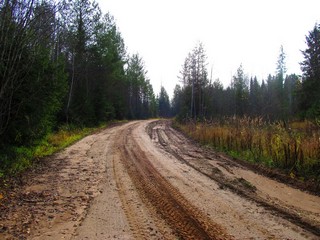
146,180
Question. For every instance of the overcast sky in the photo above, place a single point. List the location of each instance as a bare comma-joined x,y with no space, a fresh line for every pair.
234,32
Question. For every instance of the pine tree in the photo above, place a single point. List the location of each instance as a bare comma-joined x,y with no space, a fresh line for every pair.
278,96
291,88
194,76
310,94
164,107
141,99
107,58
81,19
255,97
240,86
281,66
33,81
177,100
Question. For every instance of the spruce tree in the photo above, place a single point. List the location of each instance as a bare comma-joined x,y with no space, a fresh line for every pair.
310,94
164,108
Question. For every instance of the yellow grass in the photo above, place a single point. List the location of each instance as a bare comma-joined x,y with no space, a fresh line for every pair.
294,147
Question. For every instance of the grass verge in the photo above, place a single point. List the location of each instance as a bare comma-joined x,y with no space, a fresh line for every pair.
16,159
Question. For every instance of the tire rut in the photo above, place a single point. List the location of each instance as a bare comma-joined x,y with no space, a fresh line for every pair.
187,221
133,216
238,186
142,226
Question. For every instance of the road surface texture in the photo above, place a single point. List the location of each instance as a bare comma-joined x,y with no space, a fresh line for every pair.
145,180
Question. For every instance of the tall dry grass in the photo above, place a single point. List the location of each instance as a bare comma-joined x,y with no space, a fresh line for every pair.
294,147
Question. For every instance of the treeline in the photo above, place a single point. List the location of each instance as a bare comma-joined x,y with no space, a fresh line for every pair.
64,62
279,97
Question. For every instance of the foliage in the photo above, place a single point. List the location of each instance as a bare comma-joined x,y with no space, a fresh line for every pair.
177,100
310,92
164,108
199,98
253,119
241,91
194,77
294,147
32,77
63,62
16,159
141,99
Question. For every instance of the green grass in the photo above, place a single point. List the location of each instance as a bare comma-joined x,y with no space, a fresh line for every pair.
17,159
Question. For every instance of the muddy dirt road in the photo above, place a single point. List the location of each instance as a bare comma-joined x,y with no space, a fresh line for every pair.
145,180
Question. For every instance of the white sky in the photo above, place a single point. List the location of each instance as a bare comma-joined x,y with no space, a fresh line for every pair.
250,32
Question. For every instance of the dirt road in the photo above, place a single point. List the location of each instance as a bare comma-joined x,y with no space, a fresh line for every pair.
145,180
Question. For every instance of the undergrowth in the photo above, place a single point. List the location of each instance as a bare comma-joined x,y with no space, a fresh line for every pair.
293,147
15,159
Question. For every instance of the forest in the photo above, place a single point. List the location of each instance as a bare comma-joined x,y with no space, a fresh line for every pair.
64,65
274,122
279,97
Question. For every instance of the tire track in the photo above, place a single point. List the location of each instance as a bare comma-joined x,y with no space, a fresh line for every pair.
142,226
165,138
136,224
187,221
